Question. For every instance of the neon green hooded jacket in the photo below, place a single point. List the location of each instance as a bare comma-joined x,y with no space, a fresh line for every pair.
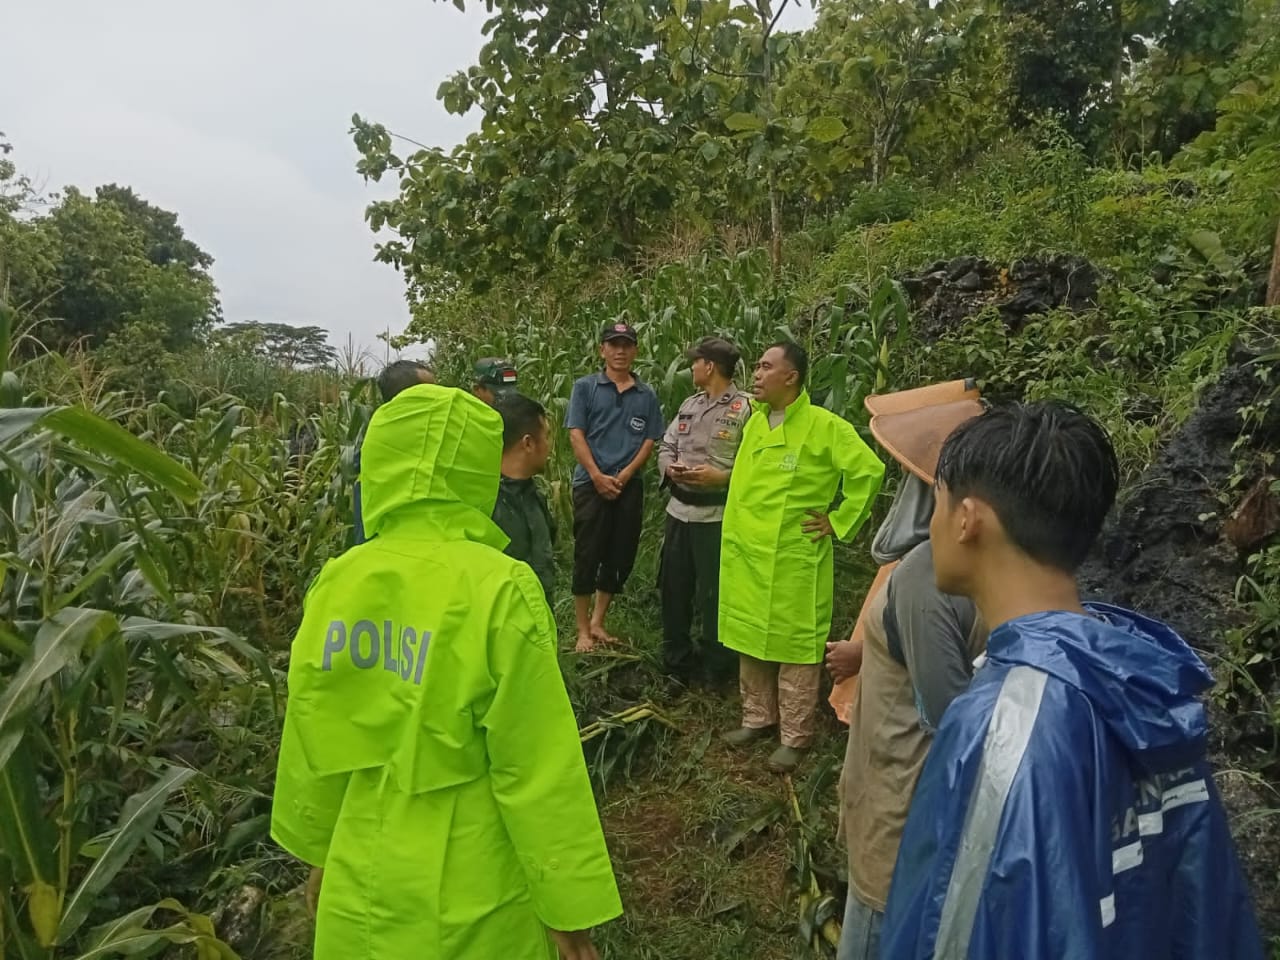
430,760
775,583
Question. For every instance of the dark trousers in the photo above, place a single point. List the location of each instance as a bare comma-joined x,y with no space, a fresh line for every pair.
606,536
689,579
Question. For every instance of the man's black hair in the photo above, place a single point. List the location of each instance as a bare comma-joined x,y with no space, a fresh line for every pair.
398,376
521,416
796,356
1048,470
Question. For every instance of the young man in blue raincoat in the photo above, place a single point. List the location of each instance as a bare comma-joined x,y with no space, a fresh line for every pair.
1066,808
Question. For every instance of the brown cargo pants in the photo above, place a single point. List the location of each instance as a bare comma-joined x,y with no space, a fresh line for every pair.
781,693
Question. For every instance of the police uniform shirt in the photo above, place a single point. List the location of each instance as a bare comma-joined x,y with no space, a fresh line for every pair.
704,431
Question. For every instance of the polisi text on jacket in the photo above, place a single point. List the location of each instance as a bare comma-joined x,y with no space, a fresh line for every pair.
401,650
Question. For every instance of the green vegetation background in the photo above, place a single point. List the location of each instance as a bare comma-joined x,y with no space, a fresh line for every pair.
170,483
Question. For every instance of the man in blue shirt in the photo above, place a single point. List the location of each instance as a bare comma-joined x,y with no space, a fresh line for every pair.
614,421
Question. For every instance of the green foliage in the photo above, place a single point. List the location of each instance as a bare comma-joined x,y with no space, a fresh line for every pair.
583,152
165,241
96,688
607,133
1063,55
1143,76
1027,200
15,189
89,269
127,566
882,66
290,346
1174,85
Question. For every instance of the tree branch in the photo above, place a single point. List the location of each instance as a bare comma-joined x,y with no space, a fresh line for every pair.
754,75
400,136
774,22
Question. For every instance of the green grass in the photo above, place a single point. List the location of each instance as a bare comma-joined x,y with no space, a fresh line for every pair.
703,840
702,837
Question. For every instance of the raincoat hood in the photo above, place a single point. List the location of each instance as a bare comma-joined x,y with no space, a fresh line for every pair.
906,526
1141,677
431,458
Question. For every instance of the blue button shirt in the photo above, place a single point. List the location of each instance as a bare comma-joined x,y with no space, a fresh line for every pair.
616,424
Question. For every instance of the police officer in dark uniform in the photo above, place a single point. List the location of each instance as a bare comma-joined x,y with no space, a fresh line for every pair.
521,510
695,459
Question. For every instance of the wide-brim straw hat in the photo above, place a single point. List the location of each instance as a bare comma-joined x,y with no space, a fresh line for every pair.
913,424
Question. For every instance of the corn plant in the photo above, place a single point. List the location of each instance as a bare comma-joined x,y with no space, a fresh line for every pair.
111,688
819,912
276,502
854,342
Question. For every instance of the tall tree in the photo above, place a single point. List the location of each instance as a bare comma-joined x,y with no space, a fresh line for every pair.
288,345
1070,57
1246,136
15,189
1178,74
1061,53
88,268
166,242
736,50
582,155
873,66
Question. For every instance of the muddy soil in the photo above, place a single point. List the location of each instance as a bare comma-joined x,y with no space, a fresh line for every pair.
1163,552
947,293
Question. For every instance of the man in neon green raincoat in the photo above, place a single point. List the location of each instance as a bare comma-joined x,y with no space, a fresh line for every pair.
775,555
430,761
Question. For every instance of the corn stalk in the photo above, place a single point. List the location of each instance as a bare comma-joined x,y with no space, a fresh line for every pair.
618,738
100,671
819,912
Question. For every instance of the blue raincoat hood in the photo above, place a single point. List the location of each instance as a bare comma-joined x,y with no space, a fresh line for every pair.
1141,677
1067,810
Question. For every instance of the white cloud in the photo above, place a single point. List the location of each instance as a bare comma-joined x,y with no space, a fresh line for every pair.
235,114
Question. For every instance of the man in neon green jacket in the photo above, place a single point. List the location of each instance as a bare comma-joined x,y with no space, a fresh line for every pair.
430,761
775,555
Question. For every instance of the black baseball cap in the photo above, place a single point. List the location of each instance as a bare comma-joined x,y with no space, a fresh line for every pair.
717,350
620,330
496,373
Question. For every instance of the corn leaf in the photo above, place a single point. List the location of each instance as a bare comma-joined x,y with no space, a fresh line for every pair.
129,934
16,421
59,640
26,832
136,820
111,440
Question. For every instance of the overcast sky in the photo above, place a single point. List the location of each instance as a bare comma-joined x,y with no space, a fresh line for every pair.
234,114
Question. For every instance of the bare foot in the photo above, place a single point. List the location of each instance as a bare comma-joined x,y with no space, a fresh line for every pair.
586,643
599,635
